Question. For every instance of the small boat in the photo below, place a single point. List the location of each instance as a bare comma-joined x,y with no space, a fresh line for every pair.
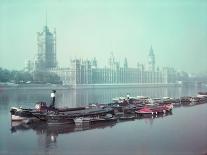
82,120
203,93
156,100
126,118
155,109
168,107
22,114
174,101
185,99
93,120
166,98
104,119
159,110
145,110
194,99
144,99
129,109
202,99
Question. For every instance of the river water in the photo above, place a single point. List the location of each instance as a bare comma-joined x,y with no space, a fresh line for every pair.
184,132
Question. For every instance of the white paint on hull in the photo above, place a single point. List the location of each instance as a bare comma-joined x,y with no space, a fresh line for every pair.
18,118
22,119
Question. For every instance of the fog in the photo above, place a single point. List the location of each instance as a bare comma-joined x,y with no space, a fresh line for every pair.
177,31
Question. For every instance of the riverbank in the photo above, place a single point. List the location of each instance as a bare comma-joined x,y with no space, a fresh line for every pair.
86,86
129,85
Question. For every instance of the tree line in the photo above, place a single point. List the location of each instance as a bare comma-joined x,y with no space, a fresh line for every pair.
27,77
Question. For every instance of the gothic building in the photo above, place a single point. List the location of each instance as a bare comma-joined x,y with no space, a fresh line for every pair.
46,53
88,72
151,60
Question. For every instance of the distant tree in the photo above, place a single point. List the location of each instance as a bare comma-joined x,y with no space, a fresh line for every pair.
22,77
54,78
182,76
4,75
46,77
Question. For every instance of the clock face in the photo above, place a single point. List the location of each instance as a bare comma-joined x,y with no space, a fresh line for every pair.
151,60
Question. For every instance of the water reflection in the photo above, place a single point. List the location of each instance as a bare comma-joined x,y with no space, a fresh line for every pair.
48,134
149,119
80,97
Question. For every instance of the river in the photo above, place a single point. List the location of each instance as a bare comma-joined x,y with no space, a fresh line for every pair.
183,132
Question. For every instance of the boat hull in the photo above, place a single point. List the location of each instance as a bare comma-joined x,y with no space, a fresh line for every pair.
58,119
103,120
18,118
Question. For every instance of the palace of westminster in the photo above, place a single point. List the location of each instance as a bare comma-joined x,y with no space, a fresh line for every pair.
81,72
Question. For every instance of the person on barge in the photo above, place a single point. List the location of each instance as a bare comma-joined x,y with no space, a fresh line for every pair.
52,95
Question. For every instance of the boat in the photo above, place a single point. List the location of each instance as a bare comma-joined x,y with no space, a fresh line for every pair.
19,114
194,99
93,120
103,119
54,115
202,93
69,116
129,109
56,119
126,118
185,99
168,106
143,100
26,115
29,114
155,109
145,110
155,105
202,97
82,120
123,101
156,100
174,101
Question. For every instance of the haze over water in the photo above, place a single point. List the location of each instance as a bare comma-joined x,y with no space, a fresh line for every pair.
177,31
181,133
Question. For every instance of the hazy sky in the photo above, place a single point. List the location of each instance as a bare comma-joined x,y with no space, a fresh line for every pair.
177,30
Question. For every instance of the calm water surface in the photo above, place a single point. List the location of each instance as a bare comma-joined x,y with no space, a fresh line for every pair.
182,133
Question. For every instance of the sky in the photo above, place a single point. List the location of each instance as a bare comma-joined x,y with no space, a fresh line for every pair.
176,29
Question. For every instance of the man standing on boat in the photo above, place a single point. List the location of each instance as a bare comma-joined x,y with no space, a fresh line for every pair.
52,95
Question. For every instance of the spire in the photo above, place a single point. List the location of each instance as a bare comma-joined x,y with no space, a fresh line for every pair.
45,27
46,18
111,59
94,62
151,53
125,63
151,60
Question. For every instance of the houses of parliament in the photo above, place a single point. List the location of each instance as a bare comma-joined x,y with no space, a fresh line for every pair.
87,72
